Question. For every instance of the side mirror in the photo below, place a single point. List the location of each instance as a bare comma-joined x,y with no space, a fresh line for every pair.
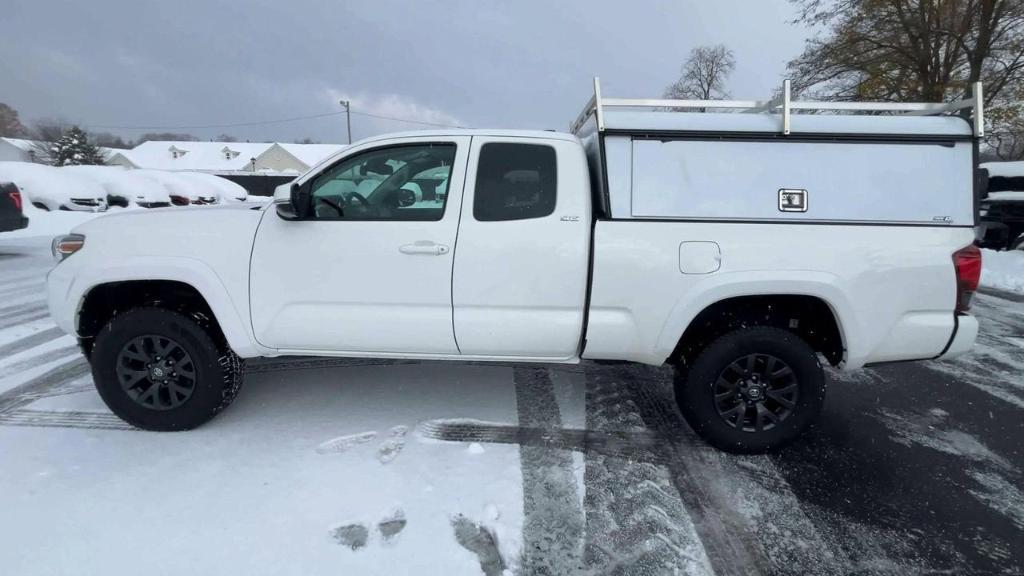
293,202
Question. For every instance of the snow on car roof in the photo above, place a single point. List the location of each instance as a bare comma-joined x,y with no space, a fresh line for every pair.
1004,169
38,179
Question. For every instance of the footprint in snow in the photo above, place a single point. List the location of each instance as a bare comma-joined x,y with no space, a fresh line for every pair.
355,536
352,535
391,526
393,445
480,541
343,443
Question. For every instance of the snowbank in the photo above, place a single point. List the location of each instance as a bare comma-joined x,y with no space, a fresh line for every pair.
1003,270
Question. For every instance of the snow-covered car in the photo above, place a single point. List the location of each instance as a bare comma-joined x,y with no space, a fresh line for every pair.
183,191
739,249
226,191
124,187
11,215
47,188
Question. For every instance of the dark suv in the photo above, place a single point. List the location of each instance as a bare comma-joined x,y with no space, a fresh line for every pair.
11,217
1001,218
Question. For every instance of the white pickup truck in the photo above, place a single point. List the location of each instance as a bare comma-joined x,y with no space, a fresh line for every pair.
739,248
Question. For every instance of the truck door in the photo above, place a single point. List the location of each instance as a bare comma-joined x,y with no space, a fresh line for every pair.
370,270
521,264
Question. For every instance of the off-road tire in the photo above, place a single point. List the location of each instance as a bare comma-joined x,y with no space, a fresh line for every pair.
218,370
694,387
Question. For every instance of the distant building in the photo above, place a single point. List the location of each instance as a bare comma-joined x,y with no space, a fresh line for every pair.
21,150
17,150
259,167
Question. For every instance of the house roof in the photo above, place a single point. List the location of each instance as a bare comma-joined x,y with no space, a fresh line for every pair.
217,156
21,143
173,155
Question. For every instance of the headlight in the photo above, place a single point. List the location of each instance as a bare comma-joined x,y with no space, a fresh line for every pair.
64,246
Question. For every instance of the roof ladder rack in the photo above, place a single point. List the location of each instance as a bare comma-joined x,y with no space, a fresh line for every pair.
785,106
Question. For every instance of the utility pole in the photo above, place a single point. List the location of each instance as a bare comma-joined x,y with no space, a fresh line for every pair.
348,118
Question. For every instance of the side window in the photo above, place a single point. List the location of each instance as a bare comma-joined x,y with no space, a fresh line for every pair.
515,182
407,182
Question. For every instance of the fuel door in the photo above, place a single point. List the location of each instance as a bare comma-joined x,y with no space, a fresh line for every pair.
699,257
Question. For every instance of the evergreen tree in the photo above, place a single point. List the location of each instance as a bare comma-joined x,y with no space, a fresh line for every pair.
74,148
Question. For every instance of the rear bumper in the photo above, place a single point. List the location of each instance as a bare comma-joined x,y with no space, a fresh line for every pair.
964,337
11,223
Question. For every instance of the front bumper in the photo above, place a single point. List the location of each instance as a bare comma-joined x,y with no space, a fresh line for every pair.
963,339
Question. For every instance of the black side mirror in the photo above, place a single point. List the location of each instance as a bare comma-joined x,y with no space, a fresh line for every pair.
297,205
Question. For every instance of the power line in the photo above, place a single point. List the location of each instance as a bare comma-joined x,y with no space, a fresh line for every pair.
406,120
265,122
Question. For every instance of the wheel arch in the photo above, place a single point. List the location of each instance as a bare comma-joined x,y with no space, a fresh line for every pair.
818,308
191,288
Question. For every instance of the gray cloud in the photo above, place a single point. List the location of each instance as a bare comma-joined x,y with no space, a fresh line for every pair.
524,64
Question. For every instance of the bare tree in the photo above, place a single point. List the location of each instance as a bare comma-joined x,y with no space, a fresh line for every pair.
704,75
910,50
108,140
166,136
10,124
225,138
49,129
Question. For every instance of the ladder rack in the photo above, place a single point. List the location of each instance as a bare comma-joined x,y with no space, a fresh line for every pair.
785,106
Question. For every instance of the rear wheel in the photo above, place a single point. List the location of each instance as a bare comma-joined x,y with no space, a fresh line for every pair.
160,370
752,390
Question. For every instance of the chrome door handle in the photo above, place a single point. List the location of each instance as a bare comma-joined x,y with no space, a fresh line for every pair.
424,247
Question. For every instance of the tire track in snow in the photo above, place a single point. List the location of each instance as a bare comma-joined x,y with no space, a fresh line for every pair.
36,360
30,341
745,512
42,385
636,522
58,419
552,519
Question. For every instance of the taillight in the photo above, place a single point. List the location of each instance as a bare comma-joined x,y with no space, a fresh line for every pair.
16,198
967,263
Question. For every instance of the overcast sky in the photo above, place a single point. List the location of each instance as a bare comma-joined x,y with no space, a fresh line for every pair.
174,64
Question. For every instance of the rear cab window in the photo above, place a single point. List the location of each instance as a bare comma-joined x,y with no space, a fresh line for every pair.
515,182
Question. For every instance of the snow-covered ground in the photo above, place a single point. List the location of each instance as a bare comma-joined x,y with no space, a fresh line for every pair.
1003,270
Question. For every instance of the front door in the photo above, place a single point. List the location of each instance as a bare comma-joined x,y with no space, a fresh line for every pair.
370,269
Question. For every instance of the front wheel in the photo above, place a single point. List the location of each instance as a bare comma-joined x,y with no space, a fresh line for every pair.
752,390
161,370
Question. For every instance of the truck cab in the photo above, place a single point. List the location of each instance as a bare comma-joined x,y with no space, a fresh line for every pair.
363,259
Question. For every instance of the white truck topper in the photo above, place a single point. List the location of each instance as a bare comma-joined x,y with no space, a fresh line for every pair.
761,161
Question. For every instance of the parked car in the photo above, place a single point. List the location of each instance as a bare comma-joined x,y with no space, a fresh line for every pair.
11,215
123,187
183,191
46,188
224,190
738,248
